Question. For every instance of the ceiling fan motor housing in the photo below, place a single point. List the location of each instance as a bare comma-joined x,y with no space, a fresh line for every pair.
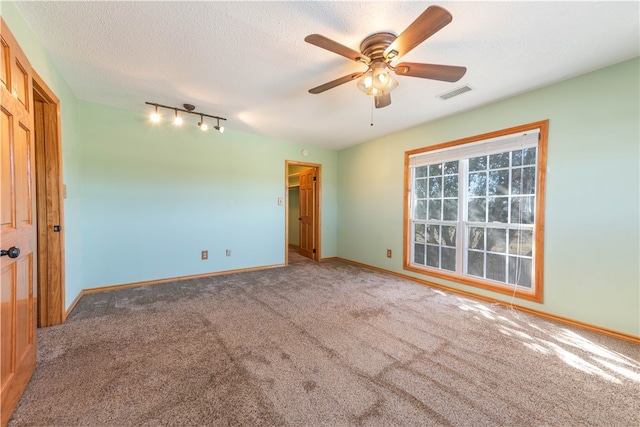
375,45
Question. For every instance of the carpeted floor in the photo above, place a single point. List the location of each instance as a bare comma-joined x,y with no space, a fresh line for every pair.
322,344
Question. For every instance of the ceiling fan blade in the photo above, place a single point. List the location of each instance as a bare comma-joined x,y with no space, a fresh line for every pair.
334,83
383,100
432,20
446,73
335,47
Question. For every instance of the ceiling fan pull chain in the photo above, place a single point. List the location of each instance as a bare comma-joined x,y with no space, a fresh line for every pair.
374,101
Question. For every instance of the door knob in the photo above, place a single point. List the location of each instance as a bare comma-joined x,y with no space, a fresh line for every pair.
12,252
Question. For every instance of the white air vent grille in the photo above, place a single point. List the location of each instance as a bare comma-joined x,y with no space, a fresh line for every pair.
454,92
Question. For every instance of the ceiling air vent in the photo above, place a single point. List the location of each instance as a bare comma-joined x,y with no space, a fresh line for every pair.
454,92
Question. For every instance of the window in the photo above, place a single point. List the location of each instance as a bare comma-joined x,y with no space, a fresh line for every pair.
475,209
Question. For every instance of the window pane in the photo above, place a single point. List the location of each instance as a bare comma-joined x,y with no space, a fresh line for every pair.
520,271
418,233
478,184
451,186
498,209
433,256
475,263
497,161
476,238
450,210
516,181
433,234
448,235
418,254
478,163
421,171
420,188
435,170
421,209
435,187
497,240
435,209
516,158
522,210
529,181
497,267
478,209
529,156
449,259
499,182
451,168
521,242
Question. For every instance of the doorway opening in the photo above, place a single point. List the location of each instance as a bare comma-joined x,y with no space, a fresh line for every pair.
49,205
303,209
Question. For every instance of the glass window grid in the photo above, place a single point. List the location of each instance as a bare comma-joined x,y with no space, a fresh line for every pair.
517,160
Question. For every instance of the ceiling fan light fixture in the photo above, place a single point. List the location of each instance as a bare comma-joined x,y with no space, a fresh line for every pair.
377,80
365,84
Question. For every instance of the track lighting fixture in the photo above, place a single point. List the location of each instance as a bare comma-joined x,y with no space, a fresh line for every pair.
188,108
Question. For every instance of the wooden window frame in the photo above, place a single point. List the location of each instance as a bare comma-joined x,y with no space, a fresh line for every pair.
537,293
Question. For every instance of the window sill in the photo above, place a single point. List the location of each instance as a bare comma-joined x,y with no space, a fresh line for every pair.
482,284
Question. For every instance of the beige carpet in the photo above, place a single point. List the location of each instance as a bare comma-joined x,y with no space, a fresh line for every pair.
322,344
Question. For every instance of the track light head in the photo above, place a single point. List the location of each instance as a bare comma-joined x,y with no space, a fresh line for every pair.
155,117
177,120
203,126
218,127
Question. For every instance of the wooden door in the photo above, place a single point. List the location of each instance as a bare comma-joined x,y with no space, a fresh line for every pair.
307,213
17,228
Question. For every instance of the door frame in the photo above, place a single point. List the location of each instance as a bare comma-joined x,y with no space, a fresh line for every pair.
50,195
317,222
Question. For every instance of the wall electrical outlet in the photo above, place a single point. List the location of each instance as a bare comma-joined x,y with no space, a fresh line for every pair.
205,254
228,252
388,253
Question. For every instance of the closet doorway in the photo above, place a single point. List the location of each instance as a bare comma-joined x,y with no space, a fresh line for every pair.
303,209
49,205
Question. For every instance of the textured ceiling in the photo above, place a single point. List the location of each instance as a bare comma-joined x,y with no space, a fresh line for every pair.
248,61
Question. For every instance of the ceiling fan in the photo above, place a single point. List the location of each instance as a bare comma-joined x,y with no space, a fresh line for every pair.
378,51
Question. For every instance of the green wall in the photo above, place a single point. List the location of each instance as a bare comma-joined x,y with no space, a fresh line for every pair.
154,196
591,269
